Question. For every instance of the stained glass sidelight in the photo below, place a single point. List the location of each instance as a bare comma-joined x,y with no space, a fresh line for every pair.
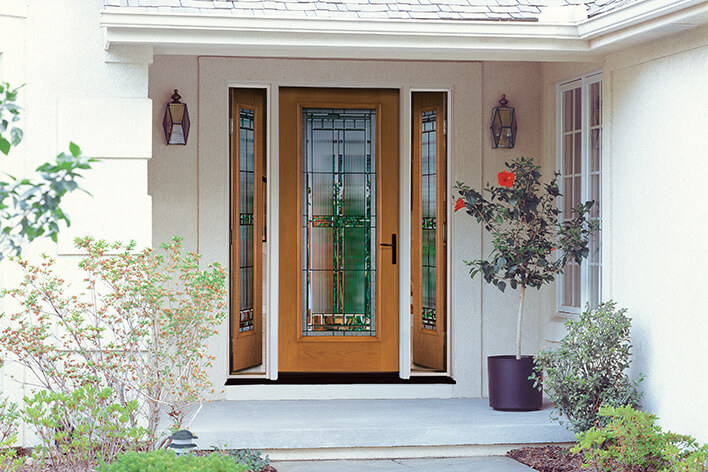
429,214
245,223
339,222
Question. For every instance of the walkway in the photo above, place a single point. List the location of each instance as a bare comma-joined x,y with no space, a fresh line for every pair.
466,464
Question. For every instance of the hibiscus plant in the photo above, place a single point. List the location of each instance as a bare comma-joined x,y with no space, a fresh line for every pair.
533,241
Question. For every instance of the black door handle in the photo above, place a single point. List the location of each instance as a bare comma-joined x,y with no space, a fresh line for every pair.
392,245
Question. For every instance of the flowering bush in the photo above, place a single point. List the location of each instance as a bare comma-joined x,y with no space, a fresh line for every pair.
526,227
9,422
139,328
632,441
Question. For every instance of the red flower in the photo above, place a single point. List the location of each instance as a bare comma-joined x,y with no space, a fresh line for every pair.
460,204
553,249
506,179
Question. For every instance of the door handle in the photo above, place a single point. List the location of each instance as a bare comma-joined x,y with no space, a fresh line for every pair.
392,245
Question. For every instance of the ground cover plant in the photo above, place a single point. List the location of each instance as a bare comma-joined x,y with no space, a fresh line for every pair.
161,460
589,368
630,441
110,359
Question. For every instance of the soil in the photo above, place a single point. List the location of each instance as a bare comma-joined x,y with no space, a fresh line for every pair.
549,459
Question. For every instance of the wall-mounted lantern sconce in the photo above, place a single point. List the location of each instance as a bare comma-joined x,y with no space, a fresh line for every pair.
176,121
503,125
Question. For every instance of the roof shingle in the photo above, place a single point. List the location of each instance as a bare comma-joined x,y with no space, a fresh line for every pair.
461,10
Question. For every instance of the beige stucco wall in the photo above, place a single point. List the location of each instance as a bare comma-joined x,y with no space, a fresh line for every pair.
189,184
656,232
76,91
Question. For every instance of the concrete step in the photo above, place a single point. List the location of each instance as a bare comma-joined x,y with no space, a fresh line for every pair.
371,429
458,464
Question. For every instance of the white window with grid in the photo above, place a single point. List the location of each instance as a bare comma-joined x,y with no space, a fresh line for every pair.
579,132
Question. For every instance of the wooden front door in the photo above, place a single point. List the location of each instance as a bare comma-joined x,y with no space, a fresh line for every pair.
338,257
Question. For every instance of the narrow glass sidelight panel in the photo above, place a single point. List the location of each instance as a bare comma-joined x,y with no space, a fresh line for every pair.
246,174
428,246
429,218
247,229
339,222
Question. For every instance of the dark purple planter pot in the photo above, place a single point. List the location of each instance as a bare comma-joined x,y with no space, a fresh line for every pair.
509,386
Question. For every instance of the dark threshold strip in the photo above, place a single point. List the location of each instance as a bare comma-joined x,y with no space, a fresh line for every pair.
322,378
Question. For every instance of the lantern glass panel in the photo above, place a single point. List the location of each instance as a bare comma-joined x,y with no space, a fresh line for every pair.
177,112
177,134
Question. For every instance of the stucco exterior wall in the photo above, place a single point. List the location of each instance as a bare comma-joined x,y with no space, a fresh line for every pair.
189,185
75,91
656,231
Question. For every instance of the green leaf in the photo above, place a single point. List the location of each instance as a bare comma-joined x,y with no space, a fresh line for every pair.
501,285
75,150
4,146
16,134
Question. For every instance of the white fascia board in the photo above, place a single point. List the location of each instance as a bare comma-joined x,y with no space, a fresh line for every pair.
648,18
345,38
586,40
636,14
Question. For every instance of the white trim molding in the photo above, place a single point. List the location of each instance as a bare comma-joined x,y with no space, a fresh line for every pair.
584,40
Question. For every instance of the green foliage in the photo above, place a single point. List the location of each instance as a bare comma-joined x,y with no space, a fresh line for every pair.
166,461
30,208
139,328
694,461
633,442
83,426
587,371
526,226
10,134
253,460
9,423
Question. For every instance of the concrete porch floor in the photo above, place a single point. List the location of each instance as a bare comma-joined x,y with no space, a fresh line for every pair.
355,429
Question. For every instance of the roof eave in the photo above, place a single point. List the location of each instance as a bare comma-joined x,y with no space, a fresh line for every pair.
589,40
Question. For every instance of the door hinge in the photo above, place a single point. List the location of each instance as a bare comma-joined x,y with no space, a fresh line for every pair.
231,125
444,127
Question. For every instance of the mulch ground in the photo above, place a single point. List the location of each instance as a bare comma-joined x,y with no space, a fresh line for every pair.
549,459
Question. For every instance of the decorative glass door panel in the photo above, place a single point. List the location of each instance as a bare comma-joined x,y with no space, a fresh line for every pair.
247,229
428,245
245,221
338,277
339,222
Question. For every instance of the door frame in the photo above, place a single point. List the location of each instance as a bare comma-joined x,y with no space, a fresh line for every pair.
271,304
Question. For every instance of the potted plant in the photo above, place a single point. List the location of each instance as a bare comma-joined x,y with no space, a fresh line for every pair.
532,242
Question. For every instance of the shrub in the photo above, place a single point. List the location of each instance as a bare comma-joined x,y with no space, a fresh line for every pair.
9,421
632,442
587,371
79,428
161,460
253,460
139,328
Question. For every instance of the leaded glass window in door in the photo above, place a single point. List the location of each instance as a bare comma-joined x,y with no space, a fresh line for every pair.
245,218
428,229
339,222
429,225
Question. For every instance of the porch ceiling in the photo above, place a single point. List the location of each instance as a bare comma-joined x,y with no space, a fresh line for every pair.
558,35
